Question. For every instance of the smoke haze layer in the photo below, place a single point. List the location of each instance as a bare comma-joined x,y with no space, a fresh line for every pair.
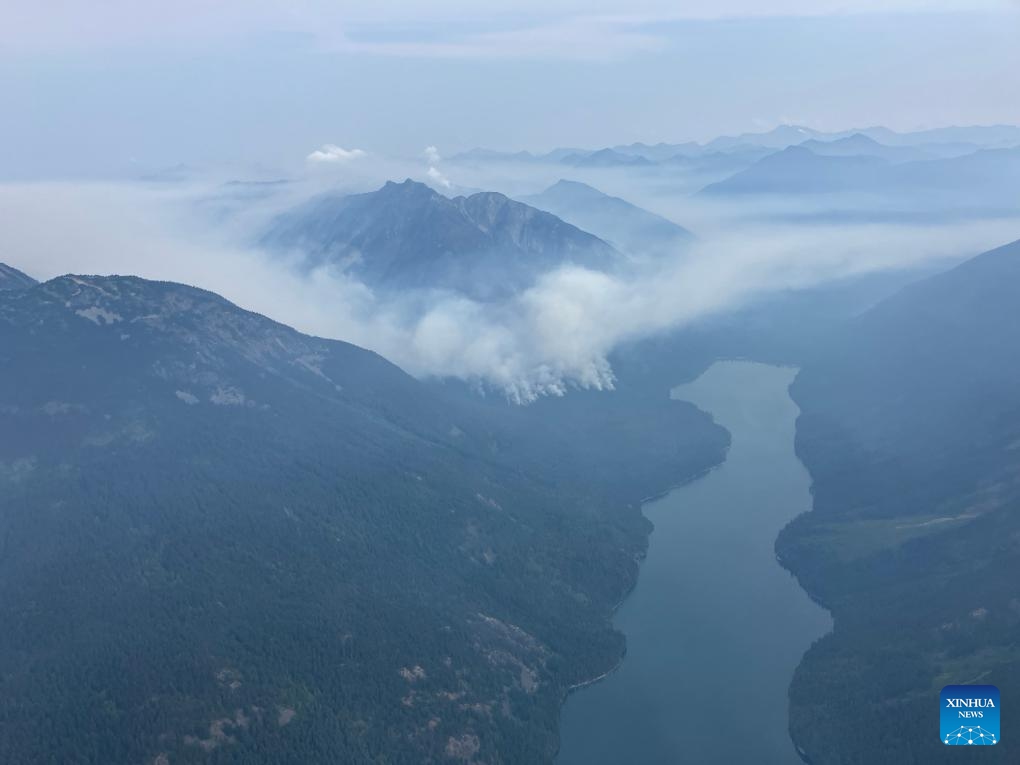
543,340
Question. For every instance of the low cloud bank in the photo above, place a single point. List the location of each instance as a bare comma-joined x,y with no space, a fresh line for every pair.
555,335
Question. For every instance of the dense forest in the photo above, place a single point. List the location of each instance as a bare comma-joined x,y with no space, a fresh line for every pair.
910,427
222,541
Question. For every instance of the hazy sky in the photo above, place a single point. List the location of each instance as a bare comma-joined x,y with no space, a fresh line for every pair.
97,88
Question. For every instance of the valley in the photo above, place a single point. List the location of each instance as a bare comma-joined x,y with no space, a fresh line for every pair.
369,455
715,626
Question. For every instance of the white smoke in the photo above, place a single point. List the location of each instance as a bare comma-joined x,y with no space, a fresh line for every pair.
433,158
555,335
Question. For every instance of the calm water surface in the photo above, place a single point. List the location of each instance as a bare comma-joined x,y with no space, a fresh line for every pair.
715,627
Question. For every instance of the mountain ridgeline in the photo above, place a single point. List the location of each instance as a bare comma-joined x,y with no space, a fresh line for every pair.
225,541
910,427
877,141
408,236
805,169
628,227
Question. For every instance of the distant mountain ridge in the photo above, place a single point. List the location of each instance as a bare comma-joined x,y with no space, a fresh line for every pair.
988,173
627,226
935,142
798,170
860,145
605,158
406,235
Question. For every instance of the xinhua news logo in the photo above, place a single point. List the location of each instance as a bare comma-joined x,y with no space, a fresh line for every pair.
969,715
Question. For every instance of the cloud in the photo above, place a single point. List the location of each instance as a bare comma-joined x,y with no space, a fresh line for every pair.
561,28
331,153
581,37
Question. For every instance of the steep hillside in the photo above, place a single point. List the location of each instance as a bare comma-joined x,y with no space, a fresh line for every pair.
910,425
258,546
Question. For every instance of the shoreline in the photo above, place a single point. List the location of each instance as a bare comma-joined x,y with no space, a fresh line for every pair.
796,749
571,689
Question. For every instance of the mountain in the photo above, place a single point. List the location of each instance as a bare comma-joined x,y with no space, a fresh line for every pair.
943,142
490,155
784,136
987,136
225,541
13,279
406,235
605,158
989,173
798,170
660,151
910,424
860,145
690,174
989,178
780,137
628,227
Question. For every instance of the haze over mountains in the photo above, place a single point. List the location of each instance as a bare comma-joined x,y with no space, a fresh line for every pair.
800,170
938,142
627,226
259,545
870,174
338,351
860,145
605,158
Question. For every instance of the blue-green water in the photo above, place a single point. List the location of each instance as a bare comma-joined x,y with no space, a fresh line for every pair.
715,627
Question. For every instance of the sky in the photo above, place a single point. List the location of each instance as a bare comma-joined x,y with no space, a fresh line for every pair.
119,87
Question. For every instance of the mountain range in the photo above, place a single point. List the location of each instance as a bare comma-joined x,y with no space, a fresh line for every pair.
945,142
860,145
223,540
988,174
407,235
605,158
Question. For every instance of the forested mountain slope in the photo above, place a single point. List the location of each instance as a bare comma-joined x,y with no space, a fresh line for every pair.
910,427
222,541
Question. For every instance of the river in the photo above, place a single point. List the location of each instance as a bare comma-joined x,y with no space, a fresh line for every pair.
715,627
